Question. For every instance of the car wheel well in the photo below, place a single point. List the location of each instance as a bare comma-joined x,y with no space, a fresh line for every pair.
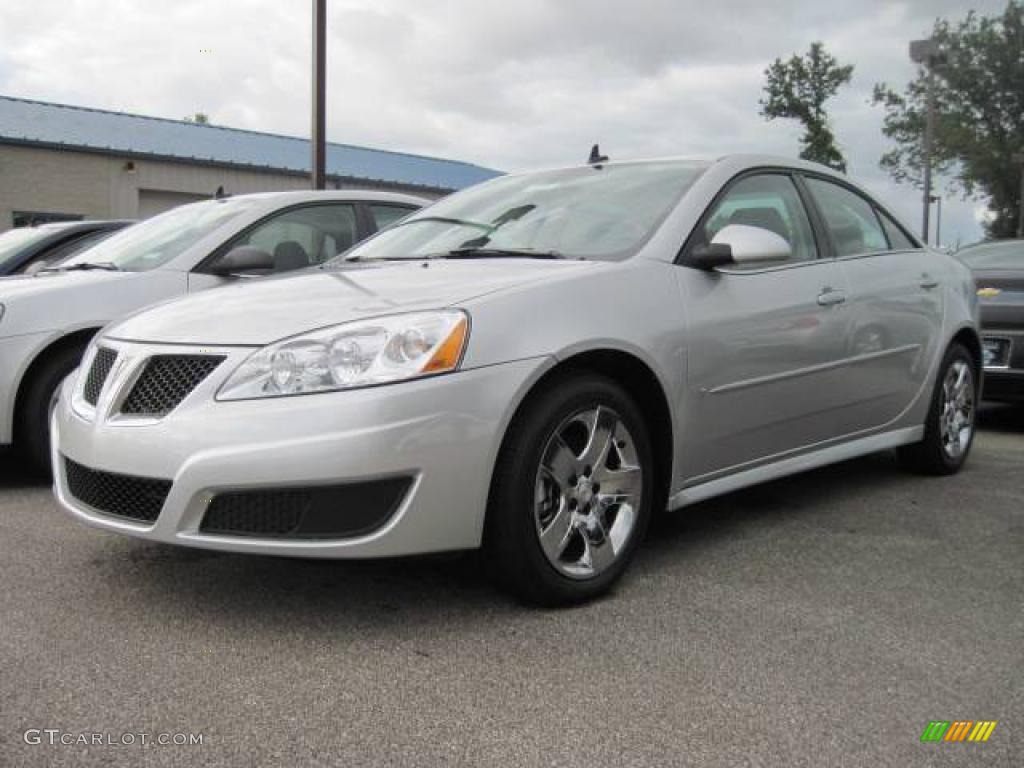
642,384
969,339
77,339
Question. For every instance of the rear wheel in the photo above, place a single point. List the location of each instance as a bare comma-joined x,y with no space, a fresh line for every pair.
37,403
571,495
949,428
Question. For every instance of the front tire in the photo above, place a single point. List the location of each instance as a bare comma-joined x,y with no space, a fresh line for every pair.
950,425
571,495
36,405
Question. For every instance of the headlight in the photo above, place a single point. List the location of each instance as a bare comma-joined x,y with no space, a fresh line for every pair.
358,354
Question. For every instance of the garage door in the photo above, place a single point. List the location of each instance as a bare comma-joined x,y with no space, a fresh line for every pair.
154,201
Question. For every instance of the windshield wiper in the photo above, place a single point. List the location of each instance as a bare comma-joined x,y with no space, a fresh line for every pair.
85,266
449,220
498,253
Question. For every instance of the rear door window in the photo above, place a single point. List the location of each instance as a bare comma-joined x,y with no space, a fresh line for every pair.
898,239
851,220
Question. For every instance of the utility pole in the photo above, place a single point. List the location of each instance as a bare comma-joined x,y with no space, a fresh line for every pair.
928,54
938,221
317,138
1019,159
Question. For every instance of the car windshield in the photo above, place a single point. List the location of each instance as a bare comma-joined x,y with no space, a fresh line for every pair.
152,243
14,241
1007,255
593,212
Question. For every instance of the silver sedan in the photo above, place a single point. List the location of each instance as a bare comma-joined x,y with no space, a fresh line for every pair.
535,365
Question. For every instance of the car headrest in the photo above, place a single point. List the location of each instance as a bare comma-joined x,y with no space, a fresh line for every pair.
289,255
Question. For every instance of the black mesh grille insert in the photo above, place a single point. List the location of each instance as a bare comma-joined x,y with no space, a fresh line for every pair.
166,381
138,498
101,366
321,512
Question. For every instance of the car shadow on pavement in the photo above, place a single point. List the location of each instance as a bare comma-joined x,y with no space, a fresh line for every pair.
15,473
999,417
426,591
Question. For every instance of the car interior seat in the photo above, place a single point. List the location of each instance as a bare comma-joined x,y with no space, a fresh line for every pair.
290,255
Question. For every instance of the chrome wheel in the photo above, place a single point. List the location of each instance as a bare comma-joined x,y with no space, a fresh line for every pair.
588,492
956,419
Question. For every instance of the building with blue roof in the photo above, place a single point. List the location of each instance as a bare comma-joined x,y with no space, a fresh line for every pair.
60,162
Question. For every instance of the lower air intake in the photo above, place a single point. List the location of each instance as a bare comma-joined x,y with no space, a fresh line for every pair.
137,498
321,512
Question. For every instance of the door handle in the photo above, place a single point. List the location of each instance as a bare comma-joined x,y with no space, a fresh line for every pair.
928,282
830,297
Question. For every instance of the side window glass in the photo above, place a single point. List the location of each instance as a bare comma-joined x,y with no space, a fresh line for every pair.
850,219
770,201
386,215
898,239
304,237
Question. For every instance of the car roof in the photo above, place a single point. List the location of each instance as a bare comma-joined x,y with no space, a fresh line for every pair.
312,195
737,160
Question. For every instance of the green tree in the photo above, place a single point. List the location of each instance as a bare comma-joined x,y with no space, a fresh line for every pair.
979,126
798,89
200,118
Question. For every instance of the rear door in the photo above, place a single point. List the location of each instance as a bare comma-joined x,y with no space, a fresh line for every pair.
895,304
764,340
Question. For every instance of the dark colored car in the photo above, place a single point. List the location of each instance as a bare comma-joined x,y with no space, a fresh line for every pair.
48,244
998,268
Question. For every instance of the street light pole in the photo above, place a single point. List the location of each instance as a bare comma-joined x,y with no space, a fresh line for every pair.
317,138
927,53
1019,159
938,220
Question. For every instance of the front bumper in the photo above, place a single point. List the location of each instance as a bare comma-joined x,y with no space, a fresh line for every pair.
441,433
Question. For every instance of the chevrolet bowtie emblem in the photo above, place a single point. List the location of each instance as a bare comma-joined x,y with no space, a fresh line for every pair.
988,293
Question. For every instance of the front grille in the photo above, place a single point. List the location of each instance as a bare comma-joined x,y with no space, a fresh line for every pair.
321,512
166,381
138,498
102,364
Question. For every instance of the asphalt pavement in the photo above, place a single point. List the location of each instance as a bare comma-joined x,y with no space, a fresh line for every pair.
820,620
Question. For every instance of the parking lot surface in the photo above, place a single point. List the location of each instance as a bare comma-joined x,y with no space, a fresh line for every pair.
820,620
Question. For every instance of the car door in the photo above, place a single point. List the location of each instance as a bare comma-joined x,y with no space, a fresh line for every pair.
764,340
296,237
895,304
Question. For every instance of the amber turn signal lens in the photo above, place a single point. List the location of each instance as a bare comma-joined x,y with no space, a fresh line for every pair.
448,354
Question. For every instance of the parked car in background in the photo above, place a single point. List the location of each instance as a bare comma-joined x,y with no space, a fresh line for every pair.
535,364
998,269
47,319
30,248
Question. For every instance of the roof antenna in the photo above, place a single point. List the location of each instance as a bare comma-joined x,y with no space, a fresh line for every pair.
220,194
596,158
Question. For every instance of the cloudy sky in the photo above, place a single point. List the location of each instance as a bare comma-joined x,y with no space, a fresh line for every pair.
509,85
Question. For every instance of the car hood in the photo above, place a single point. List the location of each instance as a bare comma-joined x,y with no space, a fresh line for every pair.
17,287
264,310
61,301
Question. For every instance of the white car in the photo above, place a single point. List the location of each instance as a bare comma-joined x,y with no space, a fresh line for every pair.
47,319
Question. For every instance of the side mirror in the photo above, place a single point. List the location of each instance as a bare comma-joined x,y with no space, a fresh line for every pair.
741,244
244,258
